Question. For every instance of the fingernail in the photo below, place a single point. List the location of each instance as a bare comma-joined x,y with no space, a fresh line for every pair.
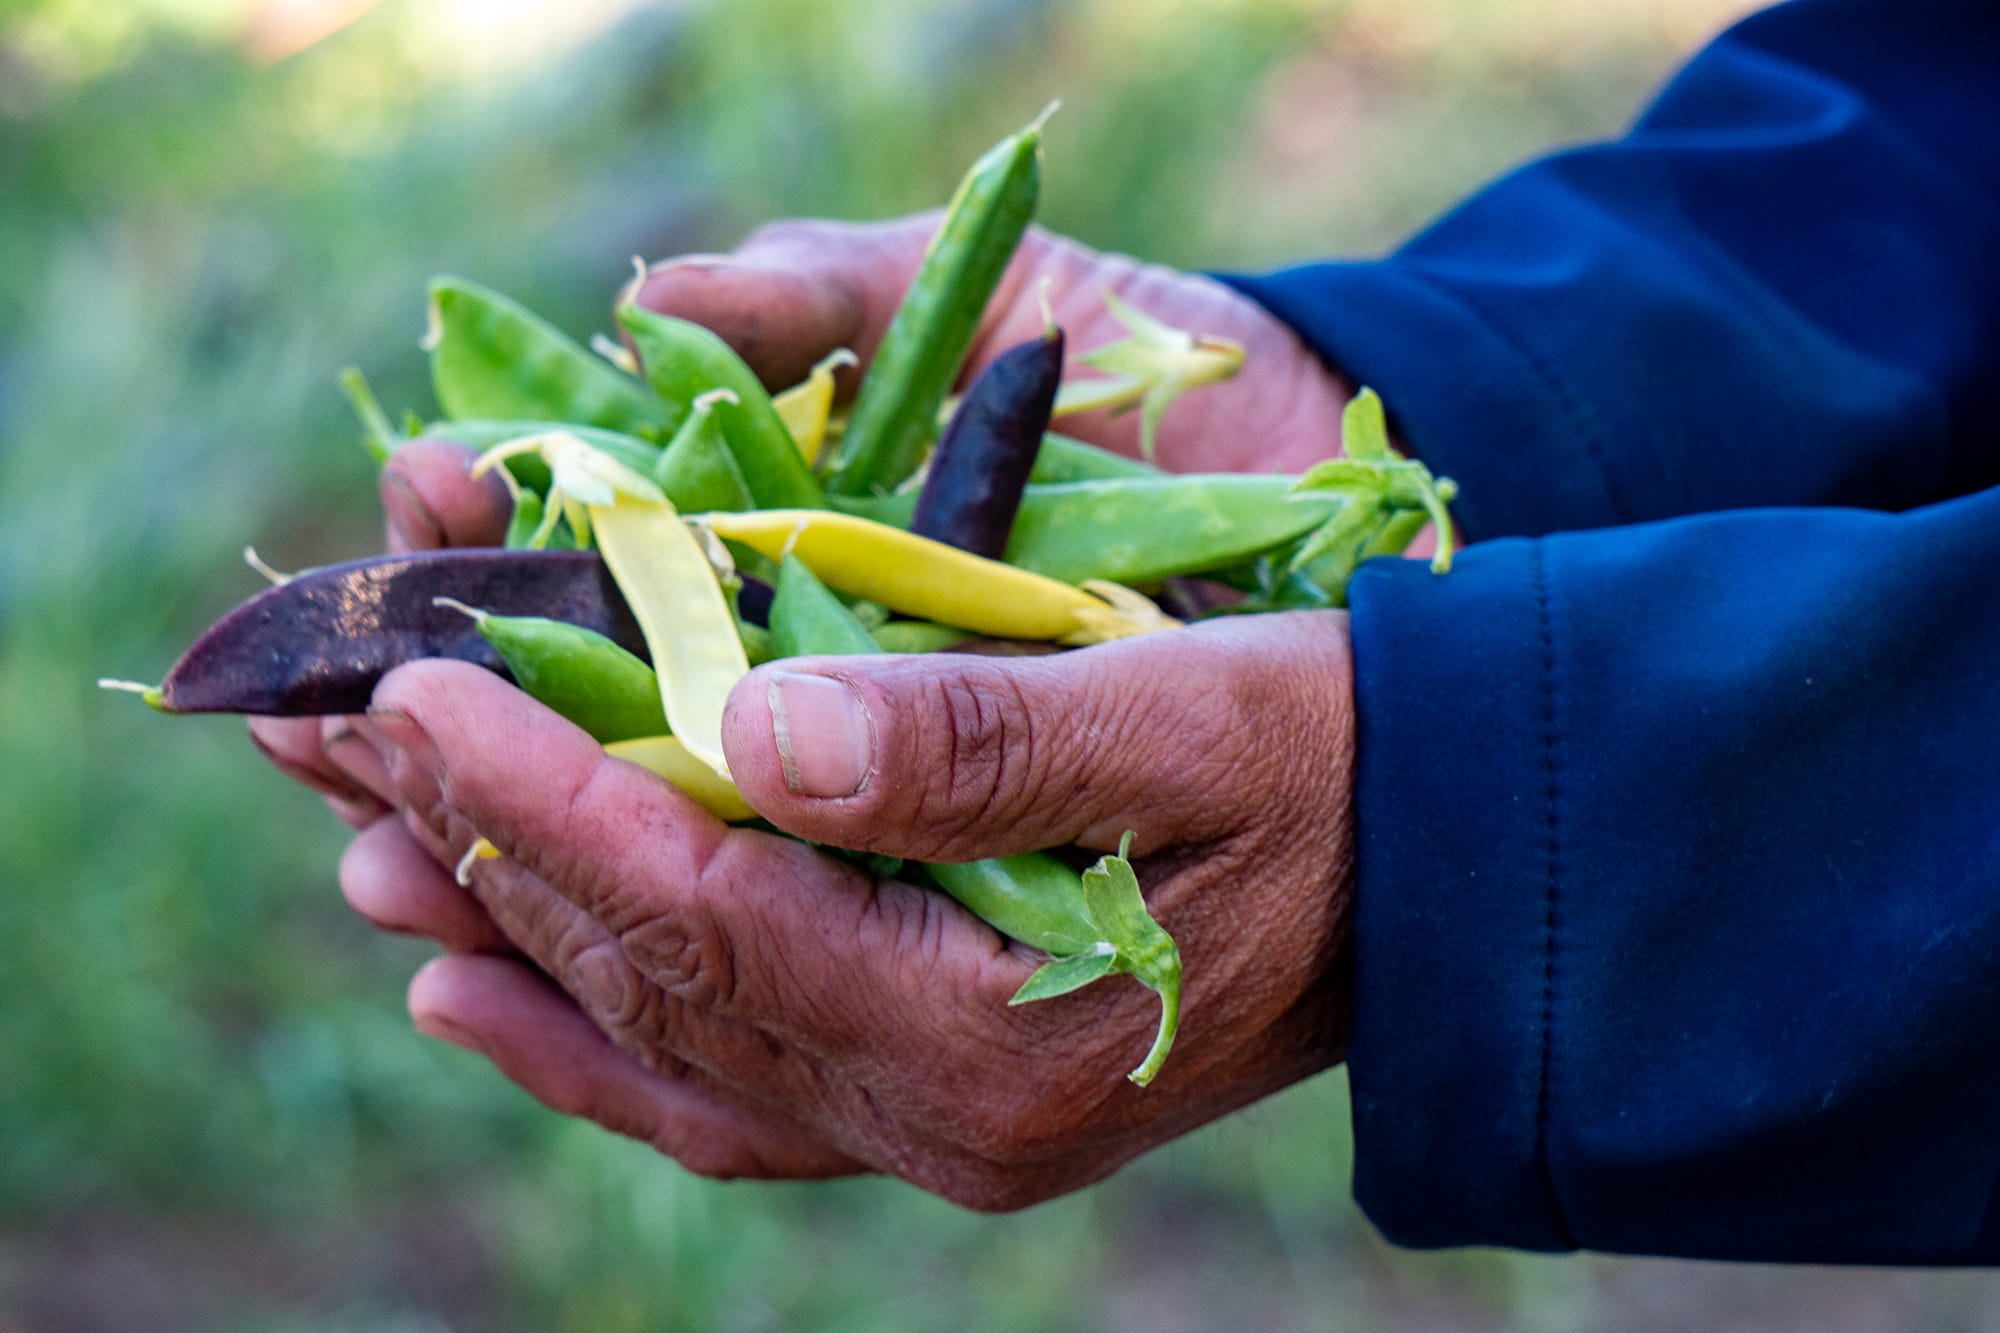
826,741
411,523
402,731
443,1029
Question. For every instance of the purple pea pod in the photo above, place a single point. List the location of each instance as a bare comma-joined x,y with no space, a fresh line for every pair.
318,643
981,465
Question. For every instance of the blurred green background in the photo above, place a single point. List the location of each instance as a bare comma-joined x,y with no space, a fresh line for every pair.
213,1113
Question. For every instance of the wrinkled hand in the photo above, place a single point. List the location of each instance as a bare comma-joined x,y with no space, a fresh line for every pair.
767,1010
754,1008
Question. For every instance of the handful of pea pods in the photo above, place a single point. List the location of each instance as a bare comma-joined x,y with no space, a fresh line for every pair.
675,523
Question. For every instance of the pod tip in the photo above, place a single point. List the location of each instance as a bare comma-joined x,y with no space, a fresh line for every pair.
151,695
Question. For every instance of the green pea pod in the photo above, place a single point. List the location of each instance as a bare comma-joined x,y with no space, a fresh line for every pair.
1092,925
492,357
1062,459
895,415
526,521
806,619
683,361
918,636
1140,530
577,672
696,469
1033,898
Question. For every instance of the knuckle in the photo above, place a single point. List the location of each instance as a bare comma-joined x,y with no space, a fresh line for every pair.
992,769
603,981
684,954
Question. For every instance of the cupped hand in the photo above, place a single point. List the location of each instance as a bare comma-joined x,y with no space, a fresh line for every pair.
796,290
754,1007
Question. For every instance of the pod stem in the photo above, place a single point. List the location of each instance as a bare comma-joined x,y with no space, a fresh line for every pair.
478,616
152,695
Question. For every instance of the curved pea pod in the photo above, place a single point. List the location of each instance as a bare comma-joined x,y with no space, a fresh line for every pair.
683,361
895,413
318,643
492,357
973,485
928,580
807,620
578,672
689,624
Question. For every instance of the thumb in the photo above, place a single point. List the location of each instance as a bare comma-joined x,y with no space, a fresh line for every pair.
1183,736
795,290
430,499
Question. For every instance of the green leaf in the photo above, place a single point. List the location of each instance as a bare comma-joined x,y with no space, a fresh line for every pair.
1342,533
1111,894
1340,475
1060,976
1364,428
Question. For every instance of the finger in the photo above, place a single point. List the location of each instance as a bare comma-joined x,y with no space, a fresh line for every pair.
770,970
541,1041
430,500
350,754
758,929
292,745
948,757
794,291
396,885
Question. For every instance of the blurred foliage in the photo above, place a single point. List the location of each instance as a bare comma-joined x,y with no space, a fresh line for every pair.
212,1111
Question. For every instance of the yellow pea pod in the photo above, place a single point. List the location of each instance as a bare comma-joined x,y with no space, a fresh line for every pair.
806,407
690,630
929,580
668,758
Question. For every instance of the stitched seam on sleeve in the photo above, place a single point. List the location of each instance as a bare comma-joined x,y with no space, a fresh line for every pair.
1552,895
1574,408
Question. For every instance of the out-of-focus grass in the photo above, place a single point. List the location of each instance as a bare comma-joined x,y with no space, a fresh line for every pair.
212,1112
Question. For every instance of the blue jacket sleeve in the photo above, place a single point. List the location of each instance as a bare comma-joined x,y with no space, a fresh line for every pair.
1677,916
1677,922
1782,287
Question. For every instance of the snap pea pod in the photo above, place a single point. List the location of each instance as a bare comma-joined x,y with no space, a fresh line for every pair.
918,636
1141,530
1033,898
576,671
684,361
1062,458
807,619
493,357
895,414
696,469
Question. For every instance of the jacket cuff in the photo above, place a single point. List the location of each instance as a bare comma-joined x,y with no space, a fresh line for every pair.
1466,395
1457,899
